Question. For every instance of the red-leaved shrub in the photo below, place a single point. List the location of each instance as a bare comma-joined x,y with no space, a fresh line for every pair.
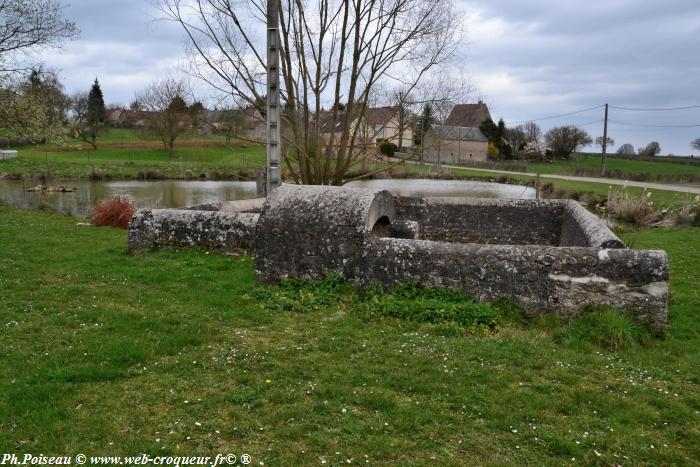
115,211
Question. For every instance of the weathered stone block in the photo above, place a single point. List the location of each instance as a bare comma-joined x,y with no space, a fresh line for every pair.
180,228
311,231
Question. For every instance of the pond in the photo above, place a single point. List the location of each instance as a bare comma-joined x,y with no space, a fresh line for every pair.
179,193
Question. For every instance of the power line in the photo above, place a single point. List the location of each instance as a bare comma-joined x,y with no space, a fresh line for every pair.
654,126
590,123
560,115
656,109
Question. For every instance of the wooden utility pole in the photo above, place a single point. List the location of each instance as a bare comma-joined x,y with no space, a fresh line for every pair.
274,178
605,143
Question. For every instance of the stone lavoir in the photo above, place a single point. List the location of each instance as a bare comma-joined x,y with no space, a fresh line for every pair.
548,256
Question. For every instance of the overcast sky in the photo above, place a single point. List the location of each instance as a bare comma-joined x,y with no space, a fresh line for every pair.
529,59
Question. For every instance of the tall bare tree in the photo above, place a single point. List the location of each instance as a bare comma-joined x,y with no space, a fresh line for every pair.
27,25
167,115
608,143
532,131
332,51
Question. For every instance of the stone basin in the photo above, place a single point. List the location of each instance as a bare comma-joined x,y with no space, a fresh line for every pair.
548,256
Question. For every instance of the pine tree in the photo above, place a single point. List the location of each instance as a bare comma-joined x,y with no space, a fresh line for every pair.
425,121
90,114
96,106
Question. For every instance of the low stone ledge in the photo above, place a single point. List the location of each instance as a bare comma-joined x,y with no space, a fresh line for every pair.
581,228
542,279
180,228
489,221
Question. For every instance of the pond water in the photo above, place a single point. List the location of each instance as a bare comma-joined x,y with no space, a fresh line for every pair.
179,193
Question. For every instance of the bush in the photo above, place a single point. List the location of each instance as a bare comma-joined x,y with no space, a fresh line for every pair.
387,148
492,152
630,209
115,211
605,328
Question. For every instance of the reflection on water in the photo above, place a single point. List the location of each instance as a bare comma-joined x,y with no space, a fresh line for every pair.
180,193
145,194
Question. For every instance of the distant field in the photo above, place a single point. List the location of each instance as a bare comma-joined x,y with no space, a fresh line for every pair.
124,153
625,165
661,197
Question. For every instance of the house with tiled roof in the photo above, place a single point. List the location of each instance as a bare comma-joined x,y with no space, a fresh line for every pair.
468,115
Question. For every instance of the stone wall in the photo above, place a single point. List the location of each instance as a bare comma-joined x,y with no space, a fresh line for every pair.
542,279
506,222
455,152
179,228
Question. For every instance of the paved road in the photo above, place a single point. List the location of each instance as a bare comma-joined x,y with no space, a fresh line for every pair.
607,181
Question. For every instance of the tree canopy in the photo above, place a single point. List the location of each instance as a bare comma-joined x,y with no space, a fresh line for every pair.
331,52
567,139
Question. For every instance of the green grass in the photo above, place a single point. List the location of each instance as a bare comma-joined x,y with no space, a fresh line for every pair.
661,197
124,153
629,166
177,352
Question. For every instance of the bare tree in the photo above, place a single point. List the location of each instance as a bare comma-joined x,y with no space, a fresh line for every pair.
166,110
27,25
566,139
609,142
651,149
232,123
517,138
331,51
696,144
626,149
533,132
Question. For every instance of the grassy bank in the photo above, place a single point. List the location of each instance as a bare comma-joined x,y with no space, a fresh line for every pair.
568,187
659,169
123,154
179,352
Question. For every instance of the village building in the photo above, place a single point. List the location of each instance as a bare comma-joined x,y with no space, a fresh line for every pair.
387,124
459,140
444,144
468,115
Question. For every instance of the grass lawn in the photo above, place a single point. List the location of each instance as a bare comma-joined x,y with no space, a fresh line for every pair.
123,153
661,197
628,166
173,352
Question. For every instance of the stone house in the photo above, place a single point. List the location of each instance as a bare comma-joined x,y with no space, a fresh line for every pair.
385,124
116,117
446,144
256,126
